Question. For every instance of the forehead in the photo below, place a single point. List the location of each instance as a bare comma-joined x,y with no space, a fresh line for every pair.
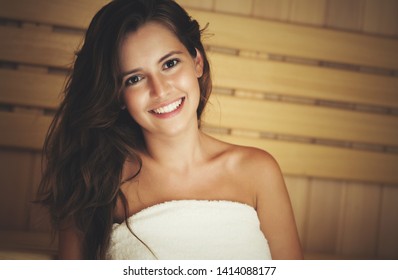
150,41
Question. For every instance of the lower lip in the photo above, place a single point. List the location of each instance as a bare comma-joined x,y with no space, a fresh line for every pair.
171,114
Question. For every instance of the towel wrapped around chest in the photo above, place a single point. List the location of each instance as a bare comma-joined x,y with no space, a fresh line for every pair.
191,230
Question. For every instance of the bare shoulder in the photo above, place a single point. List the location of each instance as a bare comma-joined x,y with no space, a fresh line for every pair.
256,160
250,162
251,167
259,169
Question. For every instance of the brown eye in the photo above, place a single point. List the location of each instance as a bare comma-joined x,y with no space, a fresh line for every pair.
170,63
133,80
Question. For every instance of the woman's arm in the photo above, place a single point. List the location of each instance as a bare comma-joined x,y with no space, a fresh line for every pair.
70,244
275,211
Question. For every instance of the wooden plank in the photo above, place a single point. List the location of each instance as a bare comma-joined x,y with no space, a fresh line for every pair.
30,89
15,175
45,48
360,221
23,130
39,218
236,32
380,17
233,6
308,11
345,14
76,14
325,162
323,219
299,41
197,4
304,121
388,229
306,81
272,9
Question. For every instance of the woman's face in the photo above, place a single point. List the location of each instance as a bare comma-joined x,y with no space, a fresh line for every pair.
160,80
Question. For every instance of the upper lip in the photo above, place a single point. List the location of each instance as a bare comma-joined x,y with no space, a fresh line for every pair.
165,103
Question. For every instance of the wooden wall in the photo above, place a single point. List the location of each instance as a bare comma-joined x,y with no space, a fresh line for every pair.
329,117
379,17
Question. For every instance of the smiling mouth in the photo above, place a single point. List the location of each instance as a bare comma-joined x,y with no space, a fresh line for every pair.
168,108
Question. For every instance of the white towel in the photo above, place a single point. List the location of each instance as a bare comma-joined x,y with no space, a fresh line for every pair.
192,230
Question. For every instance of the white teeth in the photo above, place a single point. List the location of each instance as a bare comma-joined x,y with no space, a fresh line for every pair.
168,108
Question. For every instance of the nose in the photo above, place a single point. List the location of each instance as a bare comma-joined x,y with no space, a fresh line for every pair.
159,85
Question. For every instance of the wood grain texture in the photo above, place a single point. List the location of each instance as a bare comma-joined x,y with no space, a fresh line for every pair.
325,162
388,227
381,17
272,9
308,11
299,41
324,216
15,176
45,48
234,6
39,218
76,14
360,221
30,89
301,80
344,14
304,121
198,4
25,131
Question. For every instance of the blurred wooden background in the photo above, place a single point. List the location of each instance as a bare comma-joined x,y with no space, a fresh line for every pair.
314,82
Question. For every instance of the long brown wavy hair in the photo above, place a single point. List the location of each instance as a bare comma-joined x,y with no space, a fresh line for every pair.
91,137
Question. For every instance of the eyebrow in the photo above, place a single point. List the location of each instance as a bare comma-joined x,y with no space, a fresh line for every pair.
159,61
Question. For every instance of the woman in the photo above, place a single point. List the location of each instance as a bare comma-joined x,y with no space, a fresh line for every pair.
129,172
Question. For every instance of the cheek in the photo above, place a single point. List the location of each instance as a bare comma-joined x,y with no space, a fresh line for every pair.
189,82
134,103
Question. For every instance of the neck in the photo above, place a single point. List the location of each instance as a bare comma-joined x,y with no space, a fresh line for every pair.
177,152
